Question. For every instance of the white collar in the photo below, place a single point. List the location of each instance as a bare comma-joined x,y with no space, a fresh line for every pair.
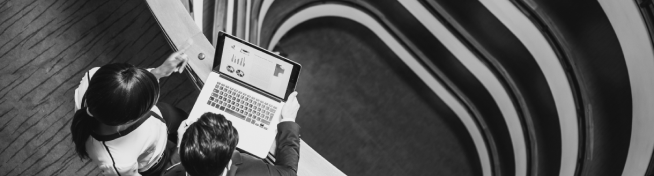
229,166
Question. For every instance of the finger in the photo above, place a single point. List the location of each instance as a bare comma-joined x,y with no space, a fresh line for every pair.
179,59
181,69
182,59
292,96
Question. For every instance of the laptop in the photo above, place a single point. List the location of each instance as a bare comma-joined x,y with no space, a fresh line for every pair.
249,86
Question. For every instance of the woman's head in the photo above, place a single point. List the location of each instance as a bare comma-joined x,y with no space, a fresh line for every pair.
120,92
117,94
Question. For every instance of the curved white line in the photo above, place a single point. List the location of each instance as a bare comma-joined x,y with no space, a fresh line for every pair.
265,5
556,78
338,10
482,73
634,38
229,22
198,6
248,11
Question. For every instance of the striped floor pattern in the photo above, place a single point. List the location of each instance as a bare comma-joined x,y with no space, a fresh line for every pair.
45,47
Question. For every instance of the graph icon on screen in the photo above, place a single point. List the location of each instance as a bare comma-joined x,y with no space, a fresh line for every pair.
278,70
238,60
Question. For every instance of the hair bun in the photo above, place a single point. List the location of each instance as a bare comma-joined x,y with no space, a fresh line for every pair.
126,71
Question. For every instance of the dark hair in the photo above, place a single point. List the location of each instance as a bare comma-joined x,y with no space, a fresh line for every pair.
207,145
118,93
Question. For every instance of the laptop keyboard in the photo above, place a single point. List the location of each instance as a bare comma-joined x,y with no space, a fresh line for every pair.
241,105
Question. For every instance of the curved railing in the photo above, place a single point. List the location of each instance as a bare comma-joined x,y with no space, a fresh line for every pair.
537,86
491,117
501,50
636,44
589,50
351,13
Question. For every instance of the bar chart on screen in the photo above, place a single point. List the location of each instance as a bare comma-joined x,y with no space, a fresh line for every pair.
239,60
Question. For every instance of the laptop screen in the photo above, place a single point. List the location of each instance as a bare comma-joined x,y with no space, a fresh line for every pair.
254,67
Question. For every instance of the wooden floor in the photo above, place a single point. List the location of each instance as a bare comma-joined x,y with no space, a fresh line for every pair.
45,47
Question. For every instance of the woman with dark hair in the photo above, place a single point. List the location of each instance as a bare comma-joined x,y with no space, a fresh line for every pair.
120,125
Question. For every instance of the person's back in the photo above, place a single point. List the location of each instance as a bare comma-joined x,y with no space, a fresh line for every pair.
207,147
119,123
99,127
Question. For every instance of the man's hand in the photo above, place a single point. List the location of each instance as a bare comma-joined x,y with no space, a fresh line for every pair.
174,63
289,111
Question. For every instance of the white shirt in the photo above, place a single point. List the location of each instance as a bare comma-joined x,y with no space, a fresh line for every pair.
130,153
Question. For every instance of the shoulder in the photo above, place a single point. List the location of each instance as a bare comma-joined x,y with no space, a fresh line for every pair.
244,159
242,164
245,164
156,114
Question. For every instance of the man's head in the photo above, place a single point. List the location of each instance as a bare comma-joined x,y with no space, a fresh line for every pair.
207,145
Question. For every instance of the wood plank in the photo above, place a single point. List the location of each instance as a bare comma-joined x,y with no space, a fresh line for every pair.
311,163
178,26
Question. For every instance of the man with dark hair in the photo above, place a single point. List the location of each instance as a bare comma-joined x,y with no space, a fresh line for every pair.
207,147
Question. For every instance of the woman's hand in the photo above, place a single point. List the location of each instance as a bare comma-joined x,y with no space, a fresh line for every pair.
174,63
289,111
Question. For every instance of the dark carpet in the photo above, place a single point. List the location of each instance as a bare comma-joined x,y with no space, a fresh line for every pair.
364,110
45,48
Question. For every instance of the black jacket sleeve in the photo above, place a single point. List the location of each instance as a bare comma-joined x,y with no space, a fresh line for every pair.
286,158
288,145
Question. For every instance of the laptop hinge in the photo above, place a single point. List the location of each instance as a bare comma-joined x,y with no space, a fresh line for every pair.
247,86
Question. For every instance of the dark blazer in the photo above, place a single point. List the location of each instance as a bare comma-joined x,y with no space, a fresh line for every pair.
287,157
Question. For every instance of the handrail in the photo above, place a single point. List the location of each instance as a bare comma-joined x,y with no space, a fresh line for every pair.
554,72
344,11
170,14
487,77
588,50
636,45
517,71
647,12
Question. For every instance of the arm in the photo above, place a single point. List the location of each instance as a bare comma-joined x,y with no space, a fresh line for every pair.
288,148
288,155
288,139
174,63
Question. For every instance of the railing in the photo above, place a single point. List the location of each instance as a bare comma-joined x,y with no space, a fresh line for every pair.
179,27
